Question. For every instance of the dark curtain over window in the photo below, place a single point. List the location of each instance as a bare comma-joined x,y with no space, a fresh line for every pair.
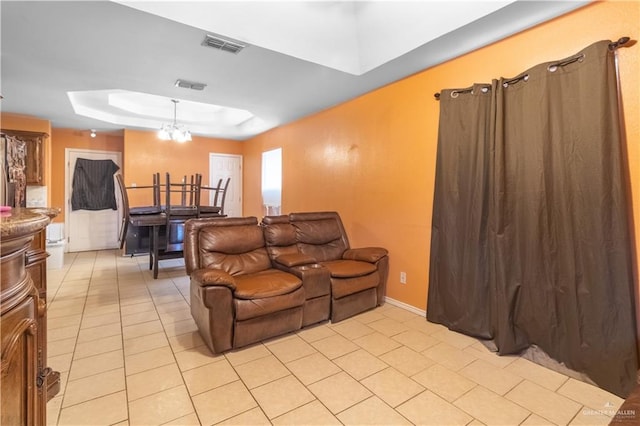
530,237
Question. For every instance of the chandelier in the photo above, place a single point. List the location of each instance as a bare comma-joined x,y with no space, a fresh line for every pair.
173,131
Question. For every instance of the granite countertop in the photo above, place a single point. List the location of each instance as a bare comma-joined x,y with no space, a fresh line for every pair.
23,221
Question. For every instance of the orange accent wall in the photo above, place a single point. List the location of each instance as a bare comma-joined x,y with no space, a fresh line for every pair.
61,139
373,159
145,154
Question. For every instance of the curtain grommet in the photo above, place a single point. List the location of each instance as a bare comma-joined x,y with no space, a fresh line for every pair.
552,68
454,94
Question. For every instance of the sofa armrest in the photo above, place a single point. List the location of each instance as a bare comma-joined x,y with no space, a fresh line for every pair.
294,259
365,254
208,277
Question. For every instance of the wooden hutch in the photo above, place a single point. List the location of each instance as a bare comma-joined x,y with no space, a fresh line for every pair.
26,383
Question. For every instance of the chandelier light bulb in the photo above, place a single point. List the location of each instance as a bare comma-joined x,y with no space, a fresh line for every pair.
173,131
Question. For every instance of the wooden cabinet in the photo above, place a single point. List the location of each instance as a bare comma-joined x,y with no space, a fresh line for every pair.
26,383
35,159
19,364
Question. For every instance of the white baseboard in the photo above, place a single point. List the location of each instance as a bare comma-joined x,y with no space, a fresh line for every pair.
405,306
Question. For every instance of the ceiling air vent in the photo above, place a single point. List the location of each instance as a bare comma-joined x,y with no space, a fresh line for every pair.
190,85
222,44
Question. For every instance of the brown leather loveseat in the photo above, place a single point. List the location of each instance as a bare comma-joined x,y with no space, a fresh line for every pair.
250,282
237,298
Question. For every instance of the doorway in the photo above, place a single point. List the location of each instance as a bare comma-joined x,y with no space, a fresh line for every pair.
223,166
90,229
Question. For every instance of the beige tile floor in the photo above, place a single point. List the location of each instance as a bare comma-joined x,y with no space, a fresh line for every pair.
130,354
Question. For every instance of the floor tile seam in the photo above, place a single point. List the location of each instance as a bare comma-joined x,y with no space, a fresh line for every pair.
75,346
56,339
69,379
235,415
173,320
353,338
397,371
559,394
173,355
268,382
315,381
315,398
367,376
564,381
582,409
453,403
179,417
373,354
522,379
124,388
159,392
122,341
246,362
513,402
527,418
352,405
88,400
385,403
129,317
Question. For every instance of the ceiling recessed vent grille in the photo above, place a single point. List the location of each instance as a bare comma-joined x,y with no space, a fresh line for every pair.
222,44
190,85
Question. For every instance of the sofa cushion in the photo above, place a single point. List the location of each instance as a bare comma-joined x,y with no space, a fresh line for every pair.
280,234
234,249
252,308
263,284
317,231
321,239
231,239
349,268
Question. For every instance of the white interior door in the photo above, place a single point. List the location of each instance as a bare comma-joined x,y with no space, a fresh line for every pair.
223,166
90,229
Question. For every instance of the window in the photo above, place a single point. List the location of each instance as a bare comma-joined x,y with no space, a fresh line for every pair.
272,182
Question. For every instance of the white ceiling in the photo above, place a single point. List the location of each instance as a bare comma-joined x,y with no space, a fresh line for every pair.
349,36
113,65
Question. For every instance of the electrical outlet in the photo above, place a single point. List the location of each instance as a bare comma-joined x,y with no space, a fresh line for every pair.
403,277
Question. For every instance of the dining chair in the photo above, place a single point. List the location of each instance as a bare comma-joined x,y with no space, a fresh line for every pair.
128,211
207,208
181,204
216,209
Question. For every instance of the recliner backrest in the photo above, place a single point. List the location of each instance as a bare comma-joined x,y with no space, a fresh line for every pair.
320,235
234,245
279,235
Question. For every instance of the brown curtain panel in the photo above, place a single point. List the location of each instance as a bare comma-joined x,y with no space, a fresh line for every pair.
459,292
553,267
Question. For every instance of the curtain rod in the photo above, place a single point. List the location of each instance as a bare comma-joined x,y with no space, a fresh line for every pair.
612,46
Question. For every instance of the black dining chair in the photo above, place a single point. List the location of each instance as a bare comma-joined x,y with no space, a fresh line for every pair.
128,211
215,209
181,204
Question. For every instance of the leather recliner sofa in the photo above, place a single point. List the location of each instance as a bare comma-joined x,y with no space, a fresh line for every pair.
358,276
250,282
